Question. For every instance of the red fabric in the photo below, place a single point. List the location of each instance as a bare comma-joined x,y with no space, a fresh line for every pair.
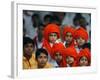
58,47
51,28
81,32
71,51
47,46
85,52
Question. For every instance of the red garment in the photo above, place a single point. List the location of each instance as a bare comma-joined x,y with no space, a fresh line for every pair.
50,28
81,32
58,47
85,52
71,52
47,46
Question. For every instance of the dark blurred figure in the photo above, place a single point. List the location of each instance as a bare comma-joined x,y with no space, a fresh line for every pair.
36,20
79,20
47,19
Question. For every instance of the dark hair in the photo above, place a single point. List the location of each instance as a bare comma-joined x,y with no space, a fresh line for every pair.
87,45
39,51
27,40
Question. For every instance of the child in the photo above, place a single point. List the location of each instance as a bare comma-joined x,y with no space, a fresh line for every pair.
42,59
28,53
81,37
58,55
84,58
51,36
68,34
70,56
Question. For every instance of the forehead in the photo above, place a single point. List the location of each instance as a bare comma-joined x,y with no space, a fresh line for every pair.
57,53
80,38
42,54
53,33
29,44
68,33
83,57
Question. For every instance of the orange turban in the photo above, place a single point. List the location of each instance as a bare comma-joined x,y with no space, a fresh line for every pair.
81,32
85,52
51,28
59,47
68,29
71,51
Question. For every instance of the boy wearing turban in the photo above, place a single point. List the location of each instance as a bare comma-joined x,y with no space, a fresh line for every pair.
51,36
68,36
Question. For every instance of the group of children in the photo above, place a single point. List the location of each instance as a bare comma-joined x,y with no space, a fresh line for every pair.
56,52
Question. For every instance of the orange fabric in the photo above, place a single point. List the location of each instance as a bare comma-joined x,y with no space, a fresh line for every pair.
29,64
71,52
81,32
85,52
51,28
32,63
58,47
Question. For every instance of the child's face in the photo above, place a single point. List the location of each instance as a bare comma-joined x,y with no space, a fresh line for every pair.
42,60
28,48
80,41
53,37
68,38
69,59
83,61
58,57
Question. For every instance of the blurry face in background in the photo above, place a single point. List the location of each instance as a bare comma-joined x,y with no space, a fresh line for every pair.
68,38
40,33
58,57
42,60
69,60
52,37
83,61
80,41
28,49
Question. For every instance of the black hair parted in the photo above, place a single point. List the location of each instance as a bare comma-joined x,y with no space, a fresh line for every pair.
27,40
41,50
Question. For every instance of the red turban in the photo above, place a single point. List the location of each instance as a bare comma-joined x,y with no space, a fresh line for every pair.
81,32
71,51
51,28
85,52
68,29
58,47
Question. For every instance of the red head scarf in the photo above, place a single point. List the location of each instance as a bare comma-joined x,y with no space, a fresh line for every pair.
71,52
68,29
59,47
85,52
51,28
81,32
